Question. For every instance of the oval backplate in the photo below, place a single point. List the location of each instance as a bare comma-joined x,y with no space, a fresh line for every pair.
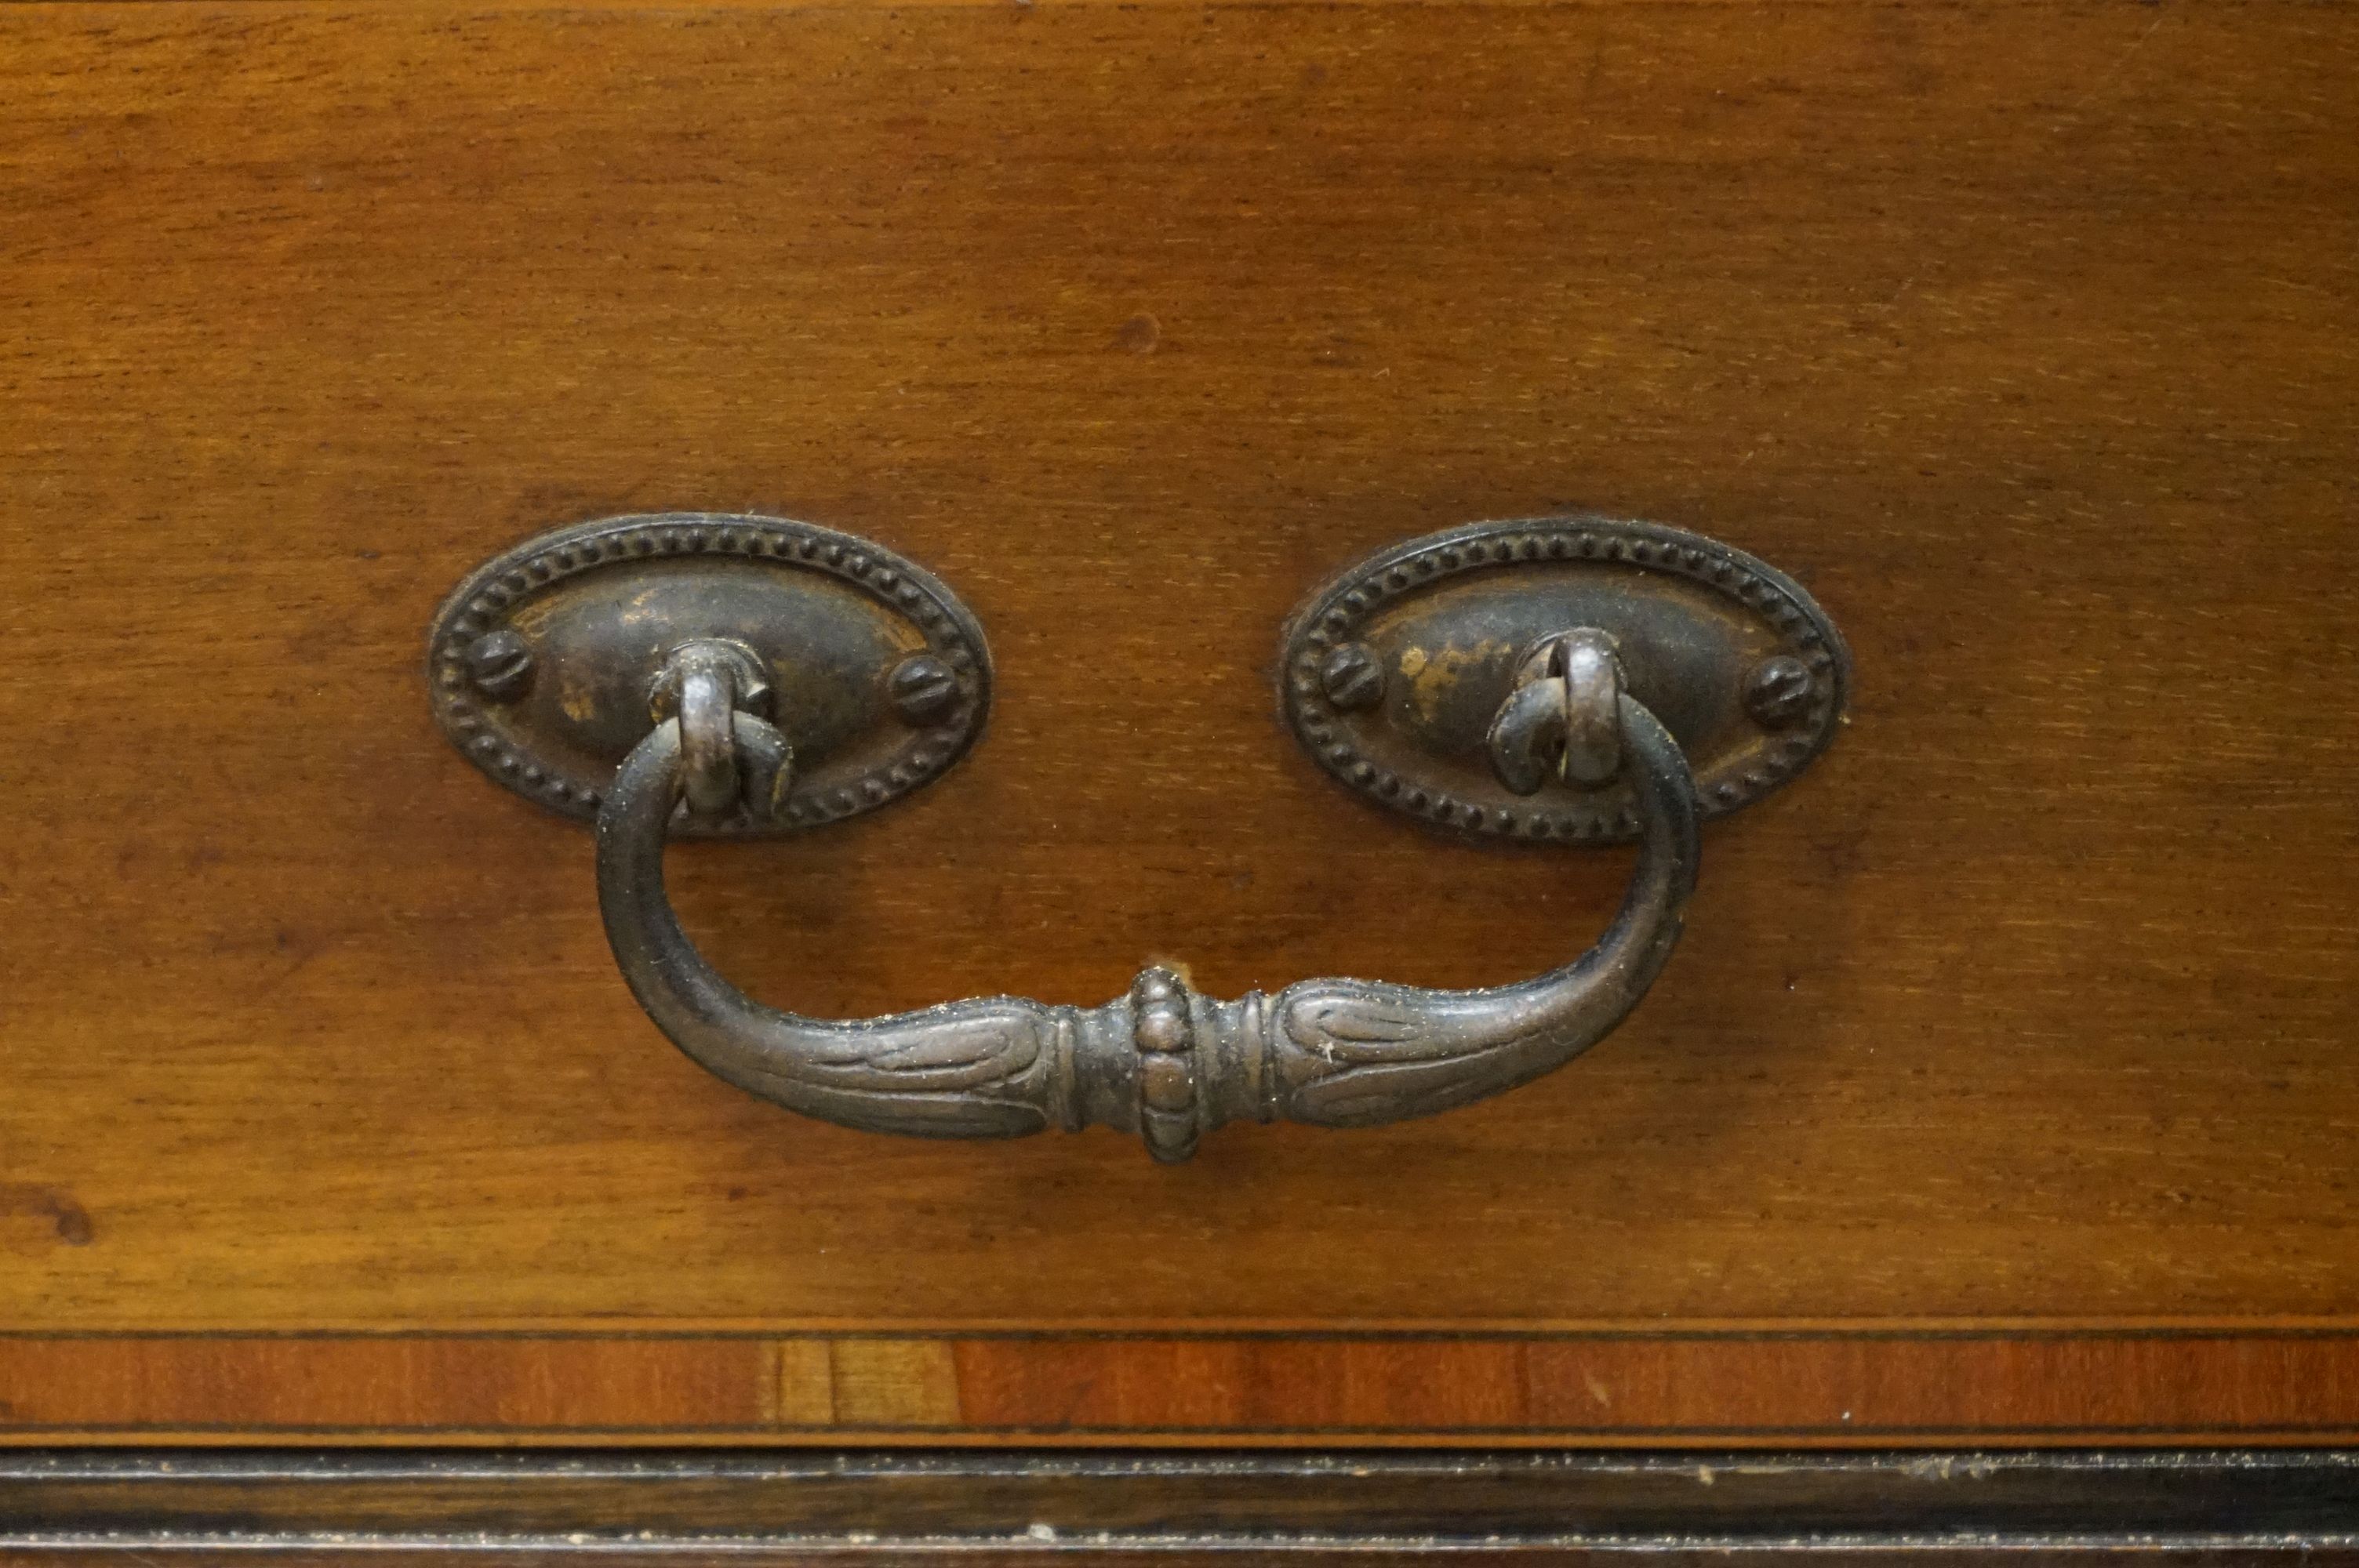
1393,672
541,661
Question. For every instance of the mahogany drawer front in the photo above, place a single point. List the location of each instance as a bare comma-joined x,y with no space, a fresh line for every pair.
2007,1061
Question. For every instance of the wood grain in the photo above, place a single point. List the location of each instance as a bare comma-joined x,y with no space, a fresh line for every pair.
2024,335
1663,1389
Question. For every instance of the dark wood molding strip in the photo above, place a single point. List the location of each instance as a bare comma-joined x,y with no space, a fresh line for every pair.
1173,1505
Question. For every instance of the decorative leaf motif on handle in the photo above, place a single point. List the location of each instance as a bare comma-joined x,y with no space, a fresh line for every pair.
1161,1062
1366,1052
969,1070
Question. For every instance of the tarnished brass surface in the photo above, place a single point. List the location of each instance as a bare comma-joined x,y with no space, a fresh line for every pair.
1162,1061
1396,672
791,674
549,662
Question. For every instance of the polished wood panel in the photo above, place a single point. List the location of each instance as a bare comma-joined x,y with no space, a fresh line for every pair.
1762,1389
2023,334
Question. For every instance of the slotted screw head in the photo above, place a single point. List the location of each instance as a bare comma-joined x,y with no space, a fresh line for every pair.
1351,677
924,688
500,663
1778,691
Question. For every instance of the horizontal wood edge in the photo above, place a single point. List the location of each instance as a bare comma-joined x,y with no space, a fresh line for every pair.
1227,1329
1022,1505
1757,1389
526,8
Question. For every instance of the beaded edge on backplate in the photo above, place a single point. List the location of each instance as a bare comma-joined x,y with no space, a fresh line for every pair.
483,602
1332,616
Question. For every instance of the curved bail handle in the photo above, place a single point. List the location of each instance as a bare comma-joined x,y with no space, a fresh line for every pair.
1162,1061
1357,1053
971,1069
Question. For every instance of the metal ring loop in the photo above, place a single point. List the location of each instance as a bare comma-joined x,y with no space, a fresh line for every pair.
708,745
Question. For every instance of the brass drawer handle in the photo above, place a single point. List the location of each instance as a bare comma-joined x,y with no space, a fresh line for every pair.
1162,1060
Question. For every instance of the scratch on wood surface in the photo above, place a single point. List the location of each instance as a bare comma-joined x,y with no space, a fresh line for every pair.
2121,60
